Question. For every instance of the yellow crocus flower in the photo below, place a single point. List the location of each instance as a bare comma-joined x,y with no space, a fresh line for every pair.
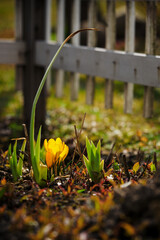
56,151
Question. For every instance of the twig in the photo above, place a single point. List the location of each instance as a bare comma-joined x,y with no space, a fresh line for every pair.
109,157
126,167
140,156
77,138
77,147
145,167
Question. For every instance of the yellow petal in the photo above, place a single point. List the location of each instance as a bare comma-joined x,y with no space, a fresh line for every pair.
64,154
49,159
57,152
46,144
60,143
51,143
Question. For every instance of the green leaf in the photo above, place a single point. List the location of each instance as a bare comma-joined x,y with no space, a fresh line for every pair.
98,152
153,167
21,157
14,162
102,165
91,154
94,149
88,166
43,173
11,162
96,157
88,146
94,164
36,160
23,149
93,160
36,171
81,190
9,151
38,148
10,157
86,161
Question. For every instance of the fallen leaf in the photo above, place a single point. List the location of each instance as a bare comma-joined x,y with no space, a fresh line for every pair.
136,167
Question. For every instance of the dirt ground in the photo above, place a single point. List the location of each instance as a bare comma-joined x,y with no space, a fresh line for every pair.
124,205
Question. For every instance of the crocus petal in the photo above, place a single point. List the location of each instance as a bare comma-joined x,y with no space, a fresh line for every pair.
49,159
64,154
46,144
58,141
60,144
56,152
51,143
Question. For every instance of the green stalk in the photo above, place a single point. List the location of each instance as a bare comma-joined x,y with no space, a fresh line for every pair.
32,121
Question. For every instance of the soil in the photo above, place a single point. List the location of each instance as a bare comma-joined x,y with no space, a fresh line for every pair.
72,207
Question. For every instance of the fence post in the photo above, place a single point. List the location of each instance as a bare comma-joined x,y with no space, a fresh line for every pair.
33,29
90,86
129,47
48,35
19,37
76,14
60,37
150,49
110,44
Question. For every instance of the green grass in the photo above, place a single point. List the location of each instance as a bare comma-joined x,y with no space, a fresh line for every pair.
10,100
109,125
7,18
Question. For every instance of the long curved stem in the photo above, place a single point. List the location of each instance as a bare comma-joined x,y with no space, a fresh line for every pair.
32,121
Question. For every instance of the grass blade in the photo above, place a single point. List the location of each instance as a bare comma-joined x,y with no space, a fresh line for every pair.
21,157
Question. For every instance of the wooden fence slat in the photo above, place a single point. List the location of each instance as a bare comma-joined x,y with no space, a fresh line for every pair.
33,29
129,47
91,42
150,49
48,36
75,22
74,77
60,37
48,21
19,37
110,44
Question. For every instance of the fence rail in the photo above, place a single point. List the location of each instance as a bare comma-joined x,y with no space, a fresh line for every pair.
141,68
12,52
33,50
127,67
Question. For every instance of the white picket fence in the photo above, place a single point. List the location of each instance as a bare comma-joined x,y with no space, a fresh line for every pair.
126,66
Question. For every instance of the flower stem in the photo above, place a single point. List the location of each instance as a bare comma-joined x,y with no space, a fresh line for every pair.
32,121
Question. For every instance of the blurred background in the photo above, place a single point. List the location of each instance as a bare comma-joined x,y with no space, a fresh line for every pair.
108,125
